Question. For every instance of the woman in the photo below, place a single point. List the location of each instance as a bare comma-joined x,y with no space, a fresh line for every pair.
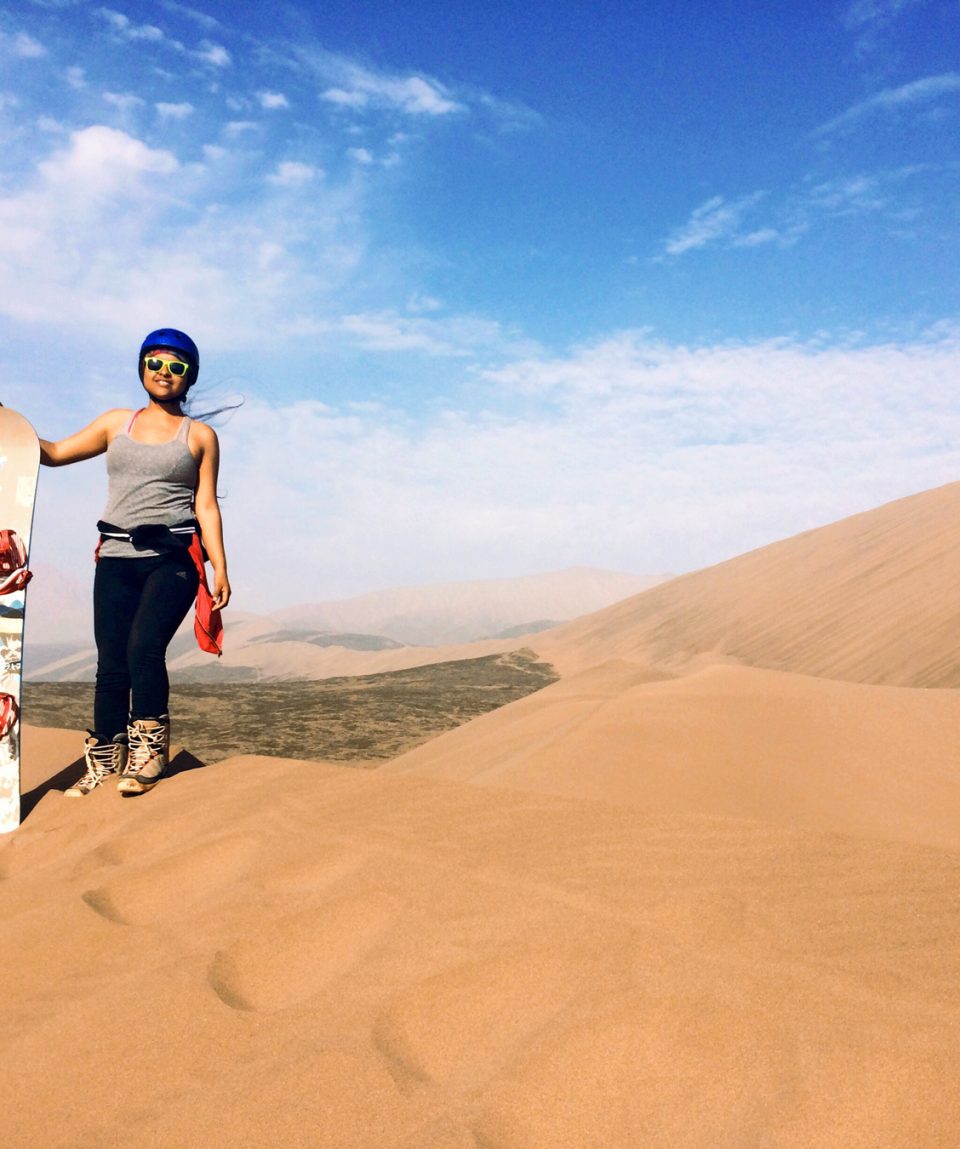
162,468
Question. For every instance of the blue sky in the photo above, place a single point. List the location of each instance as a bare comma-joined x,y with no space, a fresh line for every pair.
504,289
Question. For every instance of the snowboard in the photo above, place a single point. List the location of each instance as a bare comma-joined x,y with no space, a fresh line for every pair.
19,466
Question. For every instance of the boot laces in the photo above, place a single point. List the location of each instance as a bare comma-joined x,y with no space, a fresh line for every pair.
102,759
146,743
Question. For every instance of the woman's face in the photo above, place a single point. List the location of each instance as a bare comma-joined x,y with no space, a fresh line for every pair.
160,380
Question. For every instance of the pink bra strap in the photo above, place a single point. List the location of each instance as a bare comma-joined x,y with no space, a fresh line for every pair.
133,419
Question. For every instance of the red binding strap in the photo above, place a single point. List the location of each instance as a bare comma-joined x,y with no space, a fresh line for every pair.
9,714
15,581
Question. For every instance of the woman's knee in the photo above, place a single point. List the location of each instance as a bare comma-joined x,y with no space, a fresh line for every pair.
146,656
112,678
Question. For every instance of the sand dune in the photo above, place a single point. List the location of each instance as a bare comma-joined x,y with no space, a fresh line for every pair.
296,954
872,598
730,741
698,894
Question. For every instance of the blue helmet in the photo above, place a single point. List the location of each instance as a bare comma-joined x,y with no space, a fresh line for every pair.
170,339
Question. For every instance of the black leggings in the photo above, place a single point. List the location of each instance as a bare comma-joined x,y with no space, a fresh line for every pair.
138,604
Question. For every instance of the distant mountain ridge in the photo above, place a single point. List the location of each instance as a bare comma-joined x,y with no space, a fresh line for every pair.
385,630
455,612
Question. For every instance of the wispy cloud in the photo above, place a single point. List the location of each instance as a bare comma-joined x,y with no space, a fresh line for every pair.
123,101
414,95
798,211
124,27
292,174
851,195
272,100
346,83
763,235
509,115
24,45
869,19
203,19
714,220
916,93
215,55
174,111
872,12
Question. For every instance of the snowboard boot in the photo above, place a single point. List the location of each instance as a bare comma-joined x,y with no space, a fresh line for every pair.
149,740
102,759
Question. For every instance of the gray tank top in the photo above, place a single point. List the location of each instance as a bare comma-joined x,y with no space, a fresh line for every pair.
147,483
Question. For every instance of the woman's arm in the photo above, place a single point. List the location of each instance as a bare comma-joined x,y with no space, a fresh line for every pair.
92,440
207,510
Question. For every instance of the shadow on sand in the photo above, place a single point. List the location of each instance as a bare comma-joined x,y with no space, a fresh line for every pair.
180,763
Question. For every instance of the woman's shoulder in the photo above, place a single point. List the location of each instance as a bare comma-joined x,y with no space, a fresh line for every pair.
115,420
203,431
202,438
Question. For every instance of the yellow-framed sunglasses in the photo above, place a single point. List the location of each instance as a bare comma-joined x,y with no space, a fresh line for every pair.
174,366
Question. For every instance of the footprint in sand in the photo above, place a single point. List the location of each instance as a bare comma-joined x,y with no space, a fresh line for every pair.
175,886
113,853
473,1017
297,954
639,1077
101,902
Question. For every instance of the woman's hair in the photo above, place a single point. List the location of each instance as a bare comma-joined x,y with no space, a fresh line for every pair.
187,403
